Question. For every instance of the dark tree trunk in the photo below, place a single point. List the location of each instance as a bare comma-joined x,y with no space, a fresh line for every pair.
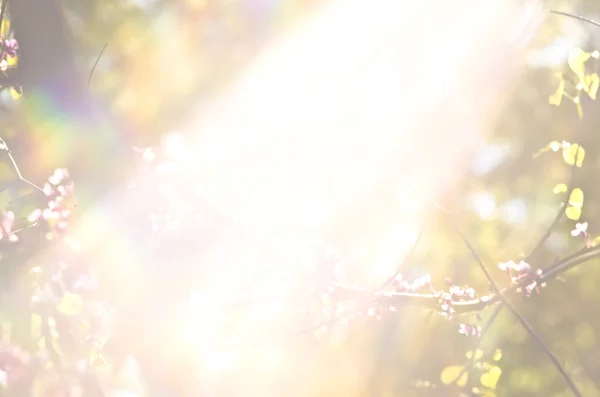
69,130
66,127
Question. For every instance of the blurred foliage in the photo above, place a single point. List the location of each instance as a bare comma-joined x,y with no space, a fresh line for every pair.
188,49
503,206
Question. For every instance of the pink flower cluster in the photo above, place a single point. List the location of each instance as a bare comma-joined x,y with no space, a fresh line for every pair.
420,284
59,190
469,330
455,293
13,364
522,273
10,47
7,221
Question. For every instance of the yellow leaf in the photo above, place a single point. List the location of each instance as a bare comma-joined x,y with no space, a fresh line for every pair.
491,378
450,373
569,153
12,61
559,188
14,94
580,157
556,98
497,355
70,304
576,198
478,354
577,59
5,28
573,213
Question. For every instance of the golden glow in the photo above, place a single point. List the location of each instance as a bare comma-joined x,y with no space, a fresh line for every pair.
335,133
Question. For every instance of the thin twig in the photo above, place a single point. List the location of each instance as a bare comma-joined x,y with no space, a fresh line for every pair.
565,203
510,306
96,63
404,261
584,19
4,147
478,342
563,206
431,300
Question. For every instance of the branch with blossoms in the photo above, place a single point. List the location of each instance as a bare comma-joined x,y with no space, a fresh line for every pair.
462,299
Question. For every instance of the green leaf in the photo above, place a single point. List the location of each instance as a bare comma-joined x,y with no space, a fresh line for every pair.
450,373
576,198
573,213
559,188
70,304
577,59
569,153
491,378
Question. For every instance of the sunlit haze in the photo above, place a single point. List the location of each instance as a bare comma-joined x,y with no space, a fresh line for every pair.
337,134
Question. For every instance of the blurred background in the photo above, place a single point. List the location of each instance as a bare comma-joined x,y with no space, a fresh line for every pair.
309,138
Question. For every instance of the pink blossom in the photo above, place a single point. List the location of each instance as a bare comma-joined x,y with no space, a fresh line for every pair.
580,230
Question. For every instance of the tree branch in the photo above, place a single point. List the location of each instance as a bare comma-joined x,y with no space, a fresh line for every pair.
584,19
431,300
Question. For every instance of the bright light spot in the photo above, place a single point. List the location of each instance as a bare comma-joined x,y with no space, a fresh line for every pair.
271,309
174,146
219,361
514,211
554,55
484,204
273,358
556,243
202,320
490,157
124,393
317,134
392,253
